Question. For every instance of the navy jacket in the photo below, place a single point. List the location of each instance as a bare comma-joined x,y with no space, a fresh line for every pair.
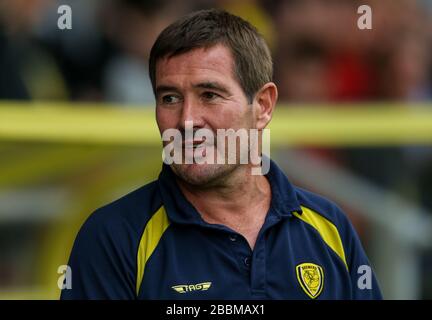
153,244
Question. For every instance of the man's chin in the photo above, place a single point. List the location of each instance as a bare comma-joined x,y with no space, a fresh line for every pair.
202,174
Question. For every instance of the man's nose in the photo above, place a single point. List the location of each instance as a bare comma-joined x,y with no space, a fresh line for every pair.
191,111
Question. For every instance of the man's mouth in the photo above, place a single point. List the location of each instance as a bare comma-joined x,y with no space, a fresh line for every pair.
194,144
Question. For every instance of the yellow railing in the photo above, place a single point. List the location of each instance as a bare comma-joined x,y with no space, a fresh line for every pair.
323,125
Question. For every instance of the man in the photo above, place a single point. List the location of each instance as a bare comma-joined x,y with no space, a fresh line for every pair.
217,231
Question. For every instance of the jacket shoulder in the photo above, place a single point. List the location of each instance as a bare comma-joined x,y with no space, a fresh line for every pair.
126,216
322,206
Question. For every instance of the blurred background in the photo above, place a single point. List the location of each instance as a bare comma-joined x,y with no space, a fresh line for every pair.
354,122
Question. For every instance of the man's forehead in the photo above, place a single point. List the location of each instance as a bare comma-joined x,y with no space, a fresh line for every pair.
217,58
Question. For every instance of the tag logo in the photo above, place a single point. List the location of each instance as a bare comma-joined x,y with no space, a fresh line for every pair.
183,288
311,278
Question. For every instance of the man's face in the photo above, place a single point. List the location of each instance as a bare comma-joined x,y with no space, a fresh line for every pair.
200,86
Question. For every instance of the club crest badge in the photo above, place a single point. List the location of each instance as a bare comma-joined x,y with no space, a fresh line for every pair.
311,278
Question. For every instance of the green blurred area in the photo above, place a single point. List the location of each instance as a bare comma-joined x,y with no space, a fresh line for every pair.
79,179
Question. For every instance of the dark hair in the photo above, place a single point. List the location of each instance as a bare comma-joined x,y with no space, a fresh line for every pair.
253,65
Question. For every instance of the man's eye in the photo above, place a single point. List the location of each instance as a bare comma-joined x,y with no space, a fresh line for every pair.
170,99
210,95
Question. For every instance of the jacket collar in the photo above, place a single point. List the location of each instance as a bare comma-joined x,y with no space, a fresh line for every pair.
284,199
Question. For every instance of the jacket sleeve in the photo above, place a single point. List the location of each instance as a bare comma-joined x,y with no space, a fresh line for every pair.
102,262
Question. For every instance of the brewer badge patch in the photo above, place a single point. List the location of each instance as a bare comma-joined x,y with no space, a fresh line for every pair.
311,278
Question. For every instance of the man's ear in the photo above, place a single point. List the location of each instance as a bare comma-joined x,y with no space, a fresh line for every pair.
264,104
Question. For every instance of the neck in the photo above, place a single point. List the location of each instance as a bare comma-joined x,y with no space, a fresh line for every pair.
242,200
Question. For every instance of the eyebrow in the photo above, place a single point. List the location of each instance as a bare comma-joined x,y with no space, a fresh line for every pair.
202,85
163,88
213,86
